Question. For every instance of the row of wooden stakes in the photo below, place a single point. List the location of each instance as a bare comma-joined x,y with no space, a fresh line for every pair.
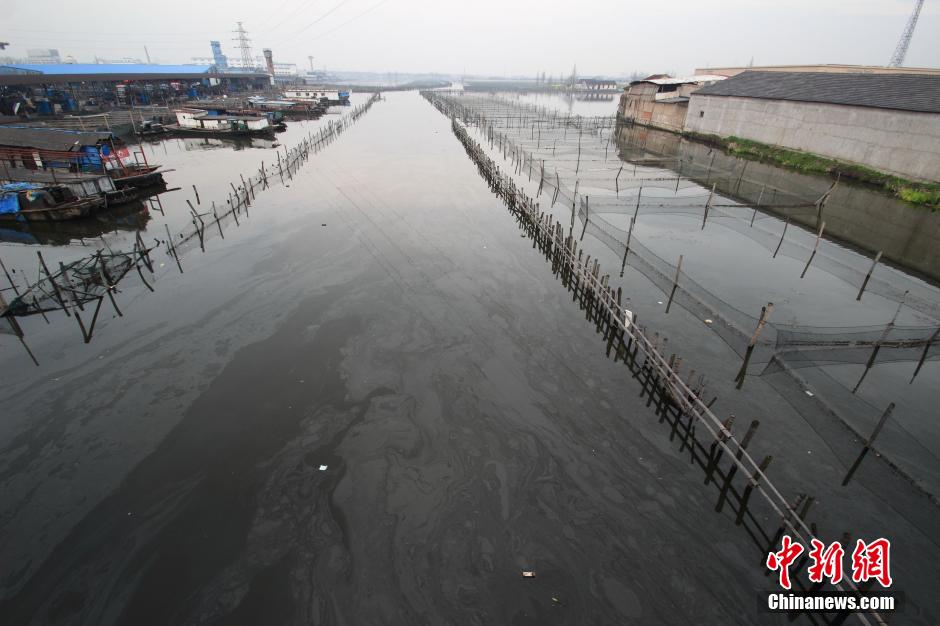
681,402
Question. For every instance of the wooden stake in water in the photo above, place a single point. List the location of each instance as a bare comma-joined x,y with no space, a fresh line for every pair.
868,444
822,227
757,206
881,340
586,216
708,205
761,322
868,276
55,287
9,278
627,249
751,485
923,355
782,235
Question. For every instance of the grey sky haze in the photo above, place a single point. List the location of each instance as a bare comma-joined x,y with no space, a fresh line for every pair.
502,37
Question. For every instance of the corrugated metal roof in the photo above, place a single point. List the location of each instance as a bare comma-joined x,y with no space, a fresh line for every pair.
109,68
49,138
687,80
903,92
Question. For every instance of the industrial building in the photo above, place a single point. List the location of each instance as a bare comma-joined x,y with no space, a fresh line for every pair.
886,121
81,86
661,101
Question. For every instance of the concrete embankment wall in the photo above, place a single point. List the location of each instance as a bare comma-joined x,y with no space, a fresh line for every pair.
903,143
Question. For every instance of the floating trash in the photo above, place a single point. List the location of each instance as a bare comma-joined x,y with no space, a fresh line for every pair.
528,574
323,468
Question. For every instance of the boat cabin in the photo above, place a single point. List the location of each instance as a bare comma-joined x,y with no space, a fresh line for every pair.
220,121
36,148
317,94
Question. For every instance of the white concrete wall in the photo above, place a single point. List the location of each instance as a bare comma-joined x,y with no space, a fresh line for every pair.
899,142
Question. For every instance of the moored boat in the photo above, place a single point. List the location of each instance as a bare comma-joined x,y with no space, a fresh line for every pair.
28,202
209,123
319,94
151,128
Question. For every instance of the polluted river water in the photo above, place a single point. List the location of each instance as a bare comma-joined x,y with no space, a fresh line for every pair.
371,401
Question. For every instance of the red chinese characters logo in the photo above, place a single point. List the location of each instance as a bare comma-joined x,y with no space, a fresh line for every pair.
870,561
827,561
782,560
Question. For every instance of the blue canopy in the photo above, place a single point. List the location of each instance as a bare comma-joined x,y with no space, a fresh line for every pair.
14,187
9,203
9,195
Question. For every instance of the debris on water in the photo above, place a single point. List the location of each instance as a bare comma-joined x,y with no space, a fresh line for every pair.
323,468
708,321
659,302
809,393
556,600
322,224
528,574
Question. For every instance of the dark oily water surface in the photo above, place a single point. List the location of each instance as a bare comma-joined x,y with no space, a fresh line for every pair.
379,420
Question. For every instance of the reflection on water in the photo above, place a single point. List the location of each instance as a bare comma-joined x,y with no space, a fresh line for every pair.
131,217
221,143
906,234
584,104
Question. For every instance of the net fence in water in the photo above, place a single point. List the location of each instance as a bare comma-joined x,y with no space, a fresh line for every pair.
580,167
577,163
88,280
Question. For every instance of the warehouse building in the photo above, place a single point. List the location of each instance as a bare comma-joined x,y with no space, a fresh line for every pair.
660,101
147,80
889,122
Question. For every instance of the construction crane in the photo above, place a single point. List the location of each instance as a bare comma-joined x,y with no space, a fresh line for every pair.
897,59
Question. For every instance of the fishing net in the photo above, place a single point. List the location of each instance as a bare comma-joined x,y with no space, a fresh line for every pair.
589,167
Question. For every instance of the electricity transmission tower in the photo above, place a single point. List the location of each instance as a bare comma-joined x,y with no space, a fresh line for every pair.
897,59
241,40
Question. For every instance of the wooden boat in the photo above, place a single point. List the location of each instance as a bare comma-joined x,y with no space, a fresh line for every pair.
82,184
318,94
68,211
176,129
212,123
137,176
151,128
26,202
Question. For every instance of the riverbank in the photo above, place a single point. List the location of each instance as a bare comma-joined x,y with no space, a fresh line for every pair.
922,194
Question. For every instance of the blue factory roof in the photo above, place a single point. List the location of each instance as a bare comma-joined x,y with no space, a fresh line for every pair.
105,68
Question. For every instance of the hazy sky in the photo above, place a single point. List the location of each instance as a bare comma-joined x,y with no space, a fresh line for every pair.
484,36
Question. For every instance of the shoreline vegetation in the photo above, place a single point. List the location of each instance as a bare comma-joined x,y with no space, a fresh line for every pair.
923,194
